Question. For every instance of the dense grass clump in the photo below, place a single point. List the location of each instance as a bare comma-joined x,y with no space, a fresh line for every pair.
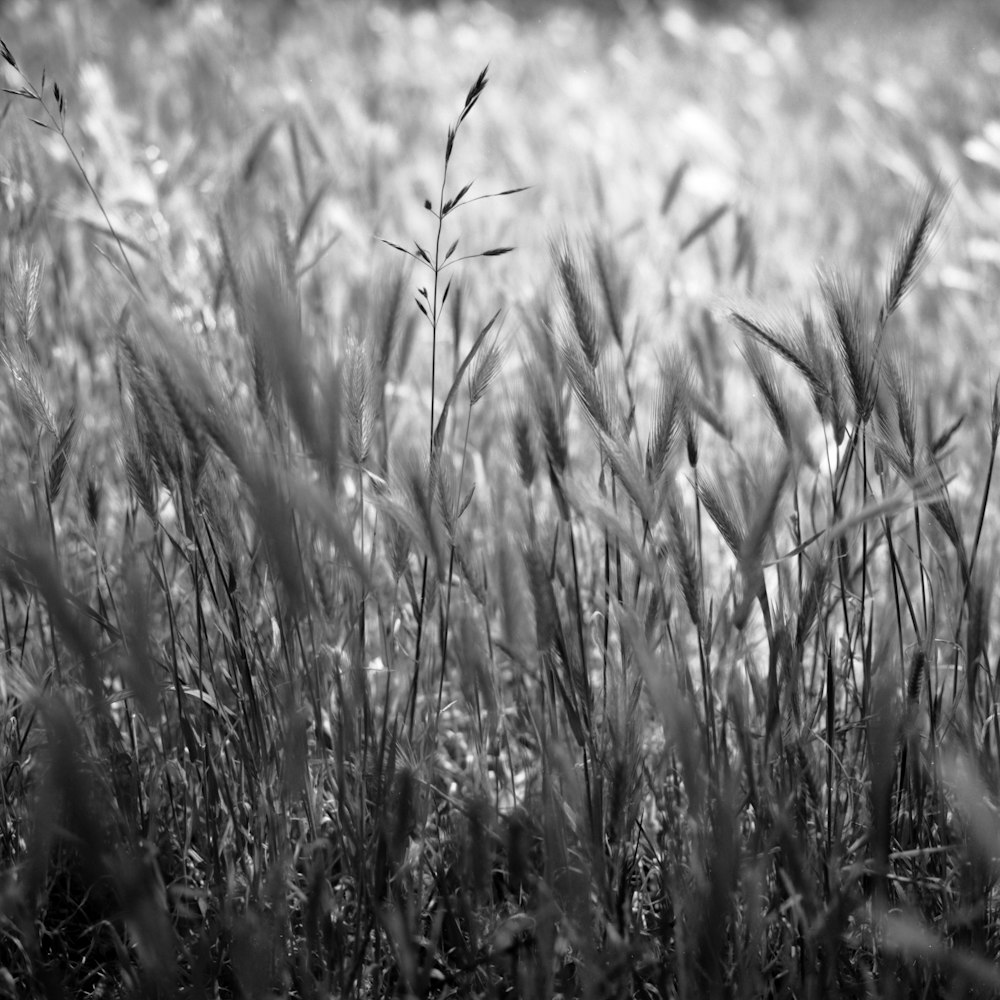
457,614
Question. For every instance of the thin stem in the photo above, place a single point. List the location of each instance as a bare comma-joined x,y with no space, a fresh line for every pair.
434,318
59,126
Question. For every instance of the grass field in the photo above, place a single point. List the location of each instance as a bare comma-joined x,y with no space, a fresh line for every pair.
586,590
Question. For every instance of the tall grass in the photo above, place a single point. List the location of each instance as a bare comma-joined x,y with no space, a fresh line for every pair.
576,678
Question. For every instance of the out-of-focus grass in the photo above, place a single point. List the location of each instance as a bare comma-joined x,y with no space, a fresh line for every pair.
288,709
776,119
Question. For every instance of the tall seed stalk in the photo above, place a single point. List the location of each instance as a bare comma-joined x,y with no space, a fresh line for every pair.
57,123
431,305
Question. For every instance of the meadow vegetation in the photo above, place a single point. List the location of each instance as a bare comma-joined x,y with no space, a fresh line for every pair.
506,532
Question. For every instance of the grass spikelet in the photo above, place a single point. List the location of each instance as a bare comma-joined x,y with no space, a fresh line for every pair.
274,512
60,458
610,381
278,333
944,513
670,406
589,387
359,401
726,509
474,576
578,300
438,437
487,368
851,327
691,436
761,528
898,377
31,401
673,186
141,479
524,450
828,391
766,380
221,420
761,524
704,226
553,425
397,546
26,282
627,466
263,387
915,676
685,558
94,495
158,431
613,281
912,249
707,412
385,324
544,341
475,673
547,625
180,405
794,348
812,602
449,503
416,505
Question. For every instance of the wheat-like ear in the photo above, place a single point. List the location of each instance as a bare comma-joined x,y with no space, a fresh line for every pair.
398,541
25,285
777,405
359,401
385,320
551,416
829,396
851,327
474,574
487,368
544,342
158,429
32,403
685,559
897,374
413,504
590,388
725,507
522,441
547,625
762,370
913,248
613,282
766,508
176,394
141,476
812,601
628,467
671,409
792,346
576,287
